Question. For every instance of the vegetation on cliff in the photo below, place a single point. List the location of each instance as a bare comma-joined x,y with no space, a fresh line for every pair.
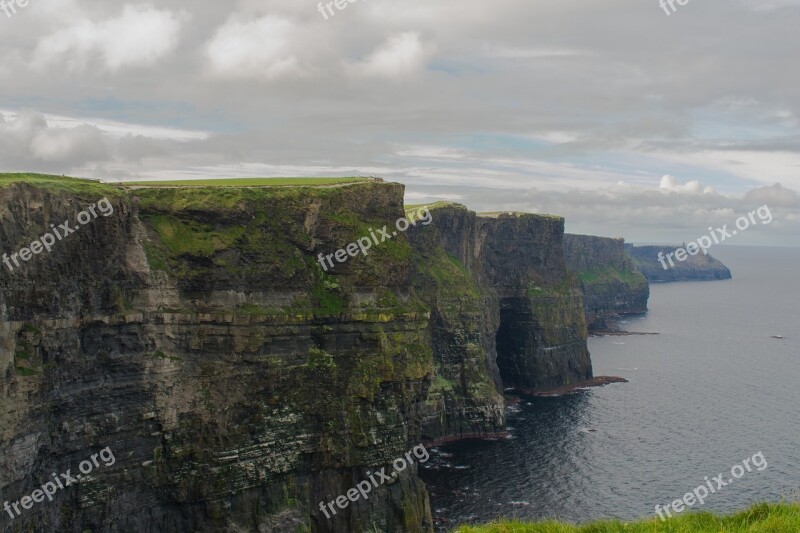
246,182
207,234
612,285
262,383
253,380
58,184
761,518
462,398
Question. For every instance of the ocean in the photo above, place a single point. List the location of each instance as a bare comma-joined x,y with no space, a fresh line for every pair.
711,389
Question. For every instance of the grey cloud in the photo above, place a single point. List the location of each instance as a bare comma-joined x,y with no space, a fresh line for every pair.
496,97
775,195
646,215
28,143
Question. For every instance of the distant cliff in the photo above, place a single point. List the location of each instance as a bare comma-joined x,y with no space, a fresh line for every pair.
695,268
195,334
612,286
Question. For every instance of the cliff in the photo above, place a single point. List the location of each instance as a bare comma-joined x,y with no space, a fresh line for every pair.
193,332
695,268
501,299
612,286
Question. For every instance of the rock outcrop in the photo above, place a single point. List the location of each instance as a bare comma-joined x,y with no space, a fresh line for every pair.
533,327
194,333
237,382
612,286
699,267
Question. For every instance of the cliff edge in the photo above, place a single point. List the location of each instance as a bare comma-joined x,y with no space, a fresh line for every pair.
194,333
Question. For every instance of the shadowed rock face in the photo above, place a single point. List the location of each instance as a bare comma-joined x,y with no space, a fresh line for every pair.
612,286
194,333
695,268
533,331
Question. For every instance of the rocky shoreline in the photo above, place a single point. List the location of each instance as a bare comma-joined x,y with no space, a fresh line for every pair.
599,381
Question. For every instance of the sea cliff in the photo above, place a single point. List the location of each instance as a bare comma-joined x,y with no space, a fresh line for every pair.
699,267
612,286
533,332
238,383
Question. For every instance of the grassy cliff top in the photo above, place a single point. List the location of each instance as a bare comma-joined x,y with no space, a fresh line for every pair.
58,183
761,518
77,185
498,214
434,205
193,193
249,182
443,204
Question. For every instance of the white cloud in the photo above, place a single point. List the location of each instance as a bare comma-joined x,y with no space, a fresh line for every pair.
400,56
258,48
671,184
641,214
140,36
110,128
431,152
33,141
454,98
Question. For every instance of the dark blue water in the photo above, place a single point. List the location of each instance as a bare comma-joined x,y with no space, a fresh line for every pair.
711,390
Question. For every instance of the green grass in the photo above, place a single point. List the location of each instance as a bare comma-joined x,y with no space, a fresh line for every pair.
246,182
761,518
59,183
238,199
441,384
409,208
450,276
329,300
69,184
542,216
188,237
352,226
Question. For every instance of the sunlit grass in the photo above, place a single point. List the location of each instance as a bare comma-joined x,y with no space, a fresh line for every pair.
761,518
58,183
245,182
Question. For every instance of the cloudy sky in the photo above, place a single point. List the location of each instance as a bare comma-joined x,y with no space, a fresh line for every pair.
628,121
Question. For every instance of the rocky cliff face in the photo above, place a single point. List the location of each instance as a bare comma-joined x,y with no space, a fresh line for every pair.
612,286
533,328
695,268
237,382
194,334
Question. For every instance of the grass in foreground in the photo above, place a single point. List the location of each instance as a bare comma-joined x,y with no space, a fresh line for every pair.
245,182
761,518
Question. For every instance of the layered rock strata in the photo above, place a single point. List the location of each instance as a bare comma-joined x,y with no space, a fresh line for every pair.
533,330
237,382
612,286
